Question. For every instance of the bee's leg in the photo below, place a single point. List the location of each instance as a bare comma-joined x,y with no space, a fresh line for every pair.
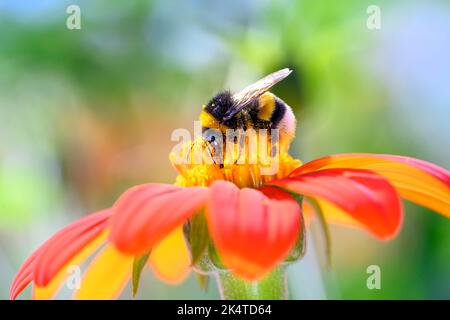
239,152
241,145
274,151
275,143
190,151
209,146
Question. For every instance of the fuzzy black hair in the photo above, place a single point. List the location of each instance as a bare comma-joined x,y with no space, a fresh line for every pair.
220,104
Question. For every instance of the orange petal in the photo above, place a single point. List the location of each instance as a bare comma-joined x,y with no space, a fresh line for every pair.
416,180
146,214
332,214
106,276
24,275
46,261
170,259
49,291
253,231
366,196
59,251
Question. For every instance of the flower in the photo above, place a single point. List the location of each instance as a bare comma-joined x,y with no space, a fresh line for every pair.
253,221
238,215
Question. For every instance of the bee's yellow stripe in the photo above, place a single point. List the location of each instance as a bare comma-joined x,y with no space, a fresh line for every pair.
208,121
266,106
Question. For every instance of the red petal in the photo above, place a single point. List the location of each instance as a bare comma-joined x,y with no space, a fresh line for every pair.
145,214
21,281
366,196
46,261
416,180
253,231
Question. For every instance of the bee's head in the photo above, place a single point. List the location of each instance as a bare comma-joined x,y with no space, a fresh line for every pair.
214,113
220,105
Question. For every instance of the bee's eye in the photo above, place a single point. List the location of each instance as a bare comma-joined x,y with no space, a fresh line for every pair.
208,135
212,135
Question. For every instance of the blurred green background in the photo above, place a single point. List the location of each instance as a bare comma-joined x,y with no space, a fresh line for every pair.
87,113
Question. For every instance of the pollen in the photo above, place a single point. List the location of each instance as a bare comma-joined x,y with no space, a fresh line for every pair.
196,166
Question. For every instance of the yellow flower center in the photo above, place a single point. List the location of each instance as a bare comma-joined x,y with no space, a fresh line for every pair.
244,167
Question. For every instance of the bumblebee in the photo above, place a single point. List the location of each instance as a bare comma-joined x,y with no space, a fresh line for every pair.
254,107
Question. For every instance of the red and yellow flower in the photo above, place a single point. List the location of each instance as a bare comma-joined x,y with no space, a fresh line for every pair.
252,221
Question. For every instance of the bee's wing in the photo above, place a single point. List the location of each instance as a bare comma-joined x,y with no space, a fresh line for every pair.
245,96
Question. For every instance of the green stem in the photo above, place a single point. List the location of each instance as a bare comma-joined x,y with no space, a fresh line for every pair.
272,287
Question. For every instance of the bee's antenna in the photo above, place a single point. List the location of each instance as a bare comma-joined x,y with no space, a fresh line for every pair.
208,146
